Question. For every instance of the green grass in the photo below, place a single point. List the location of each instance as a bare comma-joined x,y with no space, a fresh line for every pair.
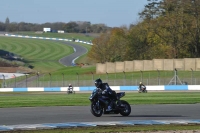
74,70
119,128
42,54
32,99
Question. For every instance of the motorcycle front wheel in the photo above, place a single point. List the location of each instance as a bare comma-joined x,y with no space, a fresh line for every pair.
96,109
125,108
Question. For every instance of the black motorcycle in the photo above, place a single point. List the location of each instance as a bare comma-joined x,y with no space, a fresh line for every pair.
70,90
98,104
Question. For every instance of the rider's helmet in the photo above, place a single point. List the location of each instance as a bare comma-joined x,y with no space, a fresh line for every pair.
98,82
70,84
140,83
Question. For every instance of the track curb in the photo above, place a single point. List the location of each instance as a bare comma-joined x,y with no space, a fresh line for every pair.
93,124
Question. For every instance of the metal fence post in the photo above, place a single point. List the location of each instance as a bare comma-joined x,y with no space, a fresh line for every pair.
158,76
50,79
92,77
176,76
63,79
191,76
3,81
141,75
124,78
106,76
15,80
77,79
115,79
26,80
38,79
132,79
149,79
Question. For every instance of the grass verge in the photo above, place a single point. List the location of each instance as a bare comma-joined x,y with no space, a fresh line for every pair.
33,99
121,129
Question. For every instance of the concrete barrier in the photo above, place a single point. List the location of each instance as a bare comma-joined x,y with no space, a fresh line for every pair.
186,64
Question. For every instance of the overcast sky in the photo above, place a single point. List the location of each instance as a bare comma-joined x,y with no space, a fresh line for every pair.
113,13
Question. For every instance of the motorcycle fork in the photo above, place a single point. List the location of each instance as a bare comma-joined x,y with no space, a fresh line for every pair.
105,103
98,104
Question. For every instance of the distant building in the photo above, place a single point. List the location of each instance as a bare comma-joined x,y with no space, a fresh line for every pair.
54,31
61,31
46,29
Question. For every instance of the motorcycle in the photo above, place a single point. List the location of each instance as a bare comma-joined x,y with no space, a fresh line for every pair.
142,89
98,104
70,90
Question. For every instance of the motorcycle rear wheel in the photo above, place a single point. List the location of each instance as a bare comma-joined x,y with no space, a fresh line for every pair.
96,110
126,108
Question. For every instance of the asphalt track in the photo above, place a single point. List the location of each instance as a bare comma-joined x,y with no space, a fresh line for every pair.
78,51
63,114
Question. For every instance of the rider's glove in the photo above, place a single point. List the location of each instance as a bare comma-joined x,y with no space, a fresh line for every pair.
99,91
104,92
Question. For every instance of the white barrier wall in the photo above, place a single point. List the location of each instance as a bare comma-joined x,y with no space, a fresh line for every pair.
116,88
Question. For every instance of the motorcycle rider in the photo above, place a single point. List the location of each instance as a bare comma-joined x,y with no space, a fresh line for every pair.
70,87
105,91
142,86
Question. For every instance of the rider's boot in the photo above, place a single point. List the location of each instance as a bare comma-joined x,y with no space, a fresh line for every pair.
108,106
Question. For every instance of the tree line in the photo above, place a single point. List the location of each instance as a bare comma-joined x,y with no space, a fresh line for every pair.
70,27
168,29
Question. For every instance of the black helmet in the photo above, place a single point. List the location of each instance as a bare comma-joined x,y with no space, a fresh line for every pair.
98,82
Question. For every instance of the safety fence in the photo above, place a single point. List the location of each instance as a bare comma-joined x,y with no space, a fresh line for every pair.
113,79
76,83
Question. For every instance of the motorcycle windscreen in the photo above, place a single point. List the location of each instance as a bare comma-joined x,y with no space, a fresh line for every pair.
121,94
